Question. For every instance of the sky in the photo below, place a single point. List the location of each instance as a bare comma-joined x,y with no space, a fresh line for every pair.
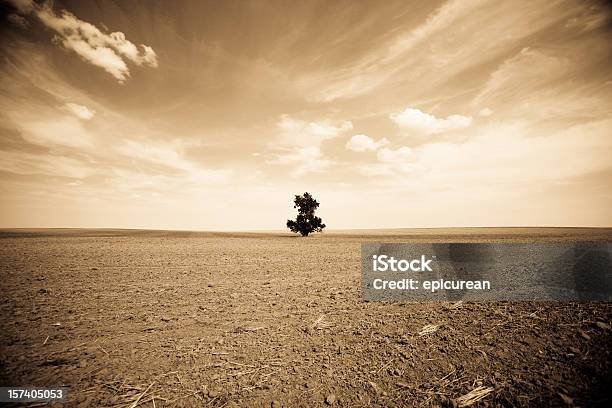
208,115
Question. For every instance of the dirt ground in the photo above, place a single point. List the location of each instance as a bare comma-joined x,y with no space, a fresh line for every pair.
188,319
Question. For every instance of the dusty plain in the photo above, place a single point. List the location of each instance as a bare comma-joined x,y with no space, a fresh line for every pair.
189,319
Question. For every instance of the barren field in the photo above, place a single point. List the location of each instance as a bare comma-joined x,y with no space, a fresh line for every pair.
182,319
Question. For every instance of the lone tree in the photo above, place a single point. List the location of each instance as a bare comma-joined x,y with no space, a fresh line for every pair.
306,222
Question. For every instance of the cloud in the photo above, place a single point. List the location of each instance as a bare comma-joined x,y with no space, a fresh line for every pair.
158,153
167,155
299,133
383,63
18,20
23,6
50,132
484,112
519,77
395,156
80,111
107,51
306,160
592,18
48,165
363,143
499,157
390,162
419,121
300,143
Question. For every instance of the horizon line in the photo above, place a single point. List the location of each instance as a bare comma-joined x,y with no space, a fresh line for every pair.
289,232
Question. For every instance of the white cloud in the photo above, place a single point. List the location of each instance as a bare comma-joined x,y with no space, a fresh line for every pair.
306,160
484,112
168,155
80,111
67,131
395,156
390,162
419,121
363,143
299,133
107,51
499,157
300,143
158,153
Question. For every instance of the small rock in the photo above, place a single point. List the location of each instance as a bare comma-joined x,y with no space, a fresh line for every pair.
603,325
585,335
165,319
330,399
82,363
213,393
275,404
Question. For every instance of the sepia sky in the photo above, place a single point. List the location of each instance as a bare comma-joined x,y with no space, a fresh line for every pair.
212,115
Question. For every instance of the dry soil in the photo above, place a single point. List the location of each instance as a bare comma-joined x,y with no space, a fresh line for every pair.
176,319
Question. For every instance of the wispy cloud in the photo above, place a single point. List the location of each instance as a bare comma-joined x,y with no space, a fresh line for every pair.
80,111
170,157
485,112
43,165
380,65
18,20
300,133
591,18
531,68
303,160
57,131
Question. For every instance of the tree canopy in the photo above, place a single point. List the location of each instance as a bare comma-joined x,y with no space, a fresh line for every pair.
306,221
